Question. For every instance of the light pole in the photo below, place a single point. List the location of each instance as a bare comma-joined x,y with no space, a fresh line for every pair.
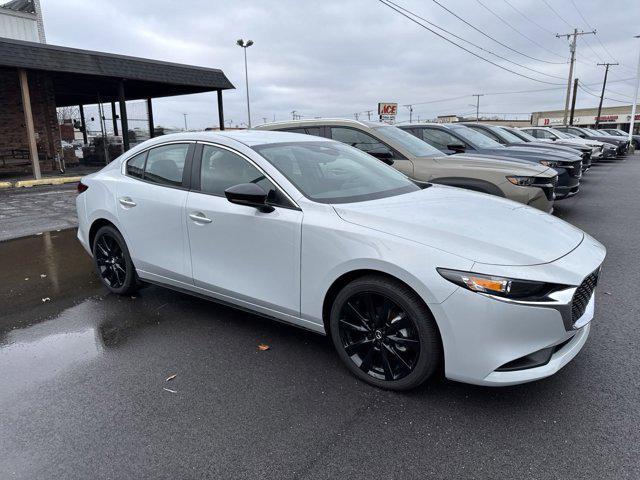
241,43
635,101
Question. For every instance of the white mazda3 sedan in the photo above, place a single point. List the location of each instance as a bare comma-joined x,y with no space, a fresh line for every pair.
321,235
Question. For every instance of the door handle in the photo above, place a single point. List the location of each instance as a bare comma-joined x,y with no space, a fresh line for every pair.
199,217
127,202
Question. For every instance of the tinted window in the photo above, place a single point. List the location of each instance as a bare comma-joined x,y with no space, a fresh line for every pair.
305,130
487,134
473,137
135,166
360,140
415,146
222,169
165,165
439,138
330,172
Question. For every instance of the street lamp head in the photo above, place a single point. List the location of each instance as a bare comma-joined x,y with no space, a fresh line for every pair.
249,43
240,42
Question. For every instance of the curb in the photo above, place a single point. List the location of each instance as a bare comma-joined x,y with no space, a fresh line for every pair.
42,181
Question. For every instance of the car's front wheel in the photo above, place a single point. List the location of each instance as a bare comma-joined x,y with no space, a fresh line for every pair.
384,333
113,262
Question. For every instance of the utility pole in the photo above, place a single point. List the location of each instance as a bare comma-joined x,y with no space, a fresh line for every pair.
369,112
604,85
185,121
410,107
572,49
635,101
264,119
478,95
573,101
356,115
294,114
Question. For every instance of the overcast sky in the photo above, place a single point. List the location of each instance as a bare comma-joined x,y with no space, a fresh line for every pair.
335,58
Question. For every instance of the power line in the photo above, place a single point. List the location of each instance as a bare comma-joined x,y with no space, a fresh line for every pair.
529,19
471,43
557,14
491,38
518,31
464,48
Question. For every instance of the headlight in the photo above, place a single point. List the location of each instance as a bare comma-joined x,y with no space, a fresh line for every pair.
500,286
548,163
521,181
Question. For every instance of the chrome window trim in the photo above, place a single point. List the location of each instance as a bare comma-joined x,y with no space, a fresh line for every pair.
258,167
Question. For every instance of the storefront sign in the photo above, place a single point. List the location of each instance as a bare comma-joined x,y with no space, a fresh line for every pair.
387,112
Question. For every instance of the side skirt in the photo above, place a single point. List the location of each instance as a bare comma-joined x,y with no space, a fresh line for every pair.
231,302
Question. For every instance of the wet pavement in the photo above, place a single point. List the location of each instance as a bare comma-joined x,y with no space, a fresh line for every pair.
83,378
28,211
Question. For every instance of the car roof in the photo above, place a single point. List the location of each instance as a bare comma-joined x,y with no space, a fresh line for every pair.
247,137
320,121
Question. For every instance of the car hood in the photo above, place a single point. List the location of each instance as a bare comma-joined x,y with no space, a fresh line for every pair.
532,154
482,228
510,165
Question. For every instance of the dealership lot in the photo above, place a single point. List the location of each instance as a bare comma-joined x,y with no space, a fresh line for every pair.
84,378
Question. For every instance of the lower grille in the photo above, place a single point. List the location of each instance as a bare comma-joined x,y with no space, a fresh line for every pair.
583,295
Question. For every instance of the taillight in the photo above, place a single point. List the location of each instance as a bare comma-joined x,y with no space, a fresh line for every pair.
82,187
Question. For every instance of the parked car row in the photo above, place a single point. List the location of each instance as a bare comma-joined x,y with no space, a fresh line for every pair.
496,160
340,227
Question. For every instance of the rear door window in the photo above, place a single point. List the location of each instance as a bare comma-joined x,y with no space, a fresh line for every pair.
165,164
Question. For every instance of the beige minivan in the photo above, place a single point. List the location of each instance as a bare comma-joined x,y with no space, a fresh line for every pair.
522,182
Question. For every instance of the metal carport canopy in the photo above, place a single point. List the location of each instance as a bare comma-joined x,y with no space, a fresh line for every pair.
80,76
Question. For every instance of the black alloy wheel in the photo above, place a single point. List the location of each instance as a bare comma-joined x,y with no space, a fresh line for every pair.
112,261
384,333
378,336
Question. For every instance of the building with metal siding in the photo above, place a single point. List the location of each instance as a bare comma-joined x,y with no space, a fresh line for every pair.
610,117
22,20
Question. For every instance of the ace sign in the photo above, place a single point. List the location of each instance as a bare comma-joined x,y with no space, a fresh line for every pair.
387,112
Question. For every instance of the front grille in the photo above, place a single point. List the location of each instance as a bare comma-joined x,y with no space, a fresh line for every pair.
583,295
546,184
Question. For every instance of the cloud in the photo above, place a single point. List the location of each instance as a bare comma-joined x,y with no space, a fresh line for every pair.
335,58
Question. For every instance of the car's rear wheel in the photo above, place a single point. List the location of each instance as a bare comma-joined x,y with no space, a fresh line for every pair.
384,333
113,262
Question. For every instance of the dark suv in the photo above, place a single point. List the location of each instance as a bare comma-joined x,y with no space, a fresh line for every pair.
509,139
453,138
622,145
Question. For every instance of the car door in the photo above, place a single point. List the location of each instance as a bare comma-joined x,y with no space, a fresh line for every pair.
371,145
151,197
237,251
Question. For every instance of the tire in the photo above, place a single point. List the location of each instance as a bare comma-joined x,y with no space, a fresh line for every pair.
405,328
113,263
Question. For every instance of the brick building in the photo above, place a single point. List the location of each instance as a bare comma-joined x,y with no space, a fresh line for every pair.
37,78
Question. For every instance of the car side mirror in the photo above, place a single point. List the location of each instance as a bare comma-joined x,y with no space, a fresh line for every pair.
385,156
250,195
457,147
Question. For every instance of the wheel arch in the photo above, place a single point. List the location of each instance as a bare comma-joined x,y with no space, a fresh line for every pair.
347,277
96,225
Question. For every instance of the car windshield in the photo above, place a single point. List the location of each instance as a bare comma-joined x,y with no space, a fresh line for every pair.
524,135
413,144
476,139
331,172
506,135
560,134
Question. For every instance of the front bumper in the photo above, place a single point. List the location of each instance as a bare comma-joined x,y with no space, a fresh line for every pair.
568,183
482,335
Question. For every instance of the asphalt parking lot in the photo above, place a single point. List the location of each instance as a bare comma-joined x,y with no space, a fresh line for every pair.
84,392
